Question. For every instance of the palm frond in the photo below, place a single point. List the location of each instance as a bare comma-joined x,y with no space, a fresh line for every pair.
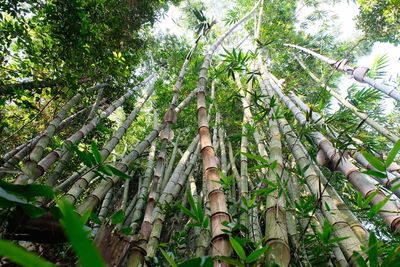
232,17
377,70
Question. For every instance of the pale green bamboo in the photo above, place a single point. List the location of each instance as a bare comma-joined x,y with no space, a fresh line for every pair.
171,162
377,126
174,185
362,182
143,190
34,170
358,73
93,200
275,217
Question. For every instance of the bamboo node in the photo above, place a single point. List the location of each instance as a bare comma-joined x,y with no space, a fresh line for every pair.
359,73
341,64
395,226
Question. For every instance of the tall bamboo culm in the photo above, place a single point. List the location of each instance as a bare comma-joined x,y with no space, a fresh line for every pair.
361,182
218,207
358,73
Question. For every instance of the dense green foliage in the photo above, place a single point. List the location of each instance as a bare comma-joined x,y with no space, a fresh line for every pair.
52,50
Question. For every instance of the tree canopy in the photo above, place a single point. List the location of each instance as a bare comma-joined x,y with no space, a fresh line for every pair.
253,138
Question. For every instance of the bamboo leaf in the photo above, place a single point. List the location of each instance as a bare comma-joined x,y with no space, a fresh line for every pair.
118,173
232,261
28,191
85,217
392,154
373,251
95,219
187,212
126,230
255,157
96,153
105,170
237,247
375,162
375,174
11,197
359,259
376,208
191,203
255,255
77,236
168,258
198,262
20,256
118,217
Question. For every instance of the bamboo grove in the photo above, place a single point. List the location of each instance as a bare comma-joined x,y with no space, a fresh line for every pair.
223,152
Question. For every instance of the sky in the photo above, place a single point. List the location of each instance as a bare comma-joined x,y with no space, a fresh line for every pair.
344,27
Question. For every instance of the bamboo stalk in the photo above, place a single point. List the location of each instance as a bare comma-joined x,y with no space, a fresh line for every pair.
105,206
219,210
166,136
96,105
362,183
35,170
391,181
174,185
171,162
143,190
16,155
48,134
82,183
275,217
328,205
380,128
99,194
54,176
358,73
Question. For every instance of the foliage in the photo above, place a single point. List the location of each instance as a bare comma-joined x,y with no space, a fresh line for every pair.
51,50
380,20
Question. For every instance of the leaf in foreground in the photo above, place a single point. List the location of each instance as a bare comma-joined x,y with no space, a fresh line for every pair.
78,237
20,256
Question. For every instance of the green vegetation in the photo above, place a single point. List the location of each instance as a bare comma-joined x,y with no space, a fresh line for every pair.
123,145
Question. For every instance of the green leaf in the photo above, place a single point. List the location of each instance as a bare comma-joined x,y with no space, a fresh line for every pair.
96,153
105,170
168,258
375,162
377,207
187,212
373,251
255,157
198,262
74,229
11,197
28,191
85,217
232,261
255,255
237,247
87,158
376,174
20,256
118,173
32,210
95,219
392,154
118,217
359,259
126,230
